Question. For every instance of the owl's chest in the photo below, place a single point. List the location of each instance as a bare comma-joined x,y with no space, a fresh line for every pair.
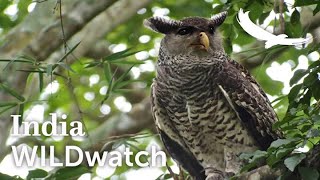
190,97
202,112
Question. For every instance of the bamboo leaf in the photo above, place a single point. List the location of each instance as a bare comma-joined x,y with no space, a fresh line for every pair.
32,71
17,60
125,83
66,55
20,112
5,104
92,64
134,62
12,92
67,67
116,55
49,69
40,81
110,88
6,109
120,55
124,75
107,71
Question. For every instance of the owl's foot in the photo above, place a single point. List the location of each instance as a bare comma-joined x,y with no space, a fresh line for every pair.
215,176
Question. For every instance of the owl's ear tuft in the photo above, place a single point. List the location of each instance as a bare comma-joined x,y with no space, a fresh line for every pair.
161,25
219,18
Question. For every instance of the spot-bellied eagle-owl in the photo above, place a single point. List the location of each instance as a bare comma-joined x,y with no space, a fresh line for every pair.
208,108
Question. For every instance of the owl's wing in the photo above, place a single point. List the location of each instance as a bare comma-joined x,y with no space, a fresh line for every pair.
176,149
250,103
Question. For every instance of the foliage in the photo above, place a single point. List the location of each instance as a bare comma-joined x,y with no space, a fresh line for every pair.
112,77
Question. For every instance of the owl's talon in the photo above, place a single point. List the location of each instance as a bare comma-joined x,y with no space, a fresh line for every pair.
215,176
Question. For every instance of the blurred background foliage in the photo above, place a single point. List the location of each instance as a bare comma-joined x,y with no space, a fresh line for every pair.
108,87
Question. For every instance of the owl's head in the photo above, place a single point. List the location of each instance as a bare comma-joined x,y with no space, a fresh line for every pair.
192,35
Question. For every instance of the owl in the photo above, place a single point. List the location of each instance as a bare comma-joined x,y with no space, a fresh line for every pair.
207,108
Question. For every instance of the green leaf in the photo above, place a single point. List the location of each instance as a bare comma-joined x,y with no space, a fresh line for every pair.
298,74
107,71
252,158
134,62
92,64
310,79
120,55
125,83
313,133
305,2
68,173
305,100
248,167
117,55
316,10
315,91
246,156
167,176
287,120
308,173
315,118
107,146
40,81
66,55
7,177
110,87
5,104
272,160
4,4
32,71
293,161
282,142
283,152
17,60
49,69
295,17
6,109
294,92
255,9
12,92
314,65
21,110
65,66
37,173
122,91
263,17
122,77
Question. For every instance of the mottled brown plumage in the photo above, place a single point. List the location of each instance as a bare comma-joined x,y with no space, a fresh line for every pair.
208,108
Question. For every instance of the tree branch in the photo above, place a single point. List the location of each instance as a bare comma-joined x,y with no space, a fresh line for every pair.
83,12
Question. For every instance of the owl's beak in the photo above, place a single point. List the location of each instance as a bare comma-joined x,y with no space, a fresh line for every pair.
204,40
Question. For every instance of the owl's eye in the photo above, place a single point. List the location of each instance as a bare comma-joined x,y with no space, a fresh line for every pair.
185,31
211,30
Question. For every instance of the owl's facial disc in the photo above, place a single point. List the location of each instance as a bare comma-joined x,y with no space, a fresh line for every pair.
203,43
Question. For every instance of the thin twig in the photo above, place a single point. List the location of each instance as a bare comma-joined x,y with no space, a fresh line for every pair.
275,17
77,105
181,175
39,1
174,176
281,18
59,4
